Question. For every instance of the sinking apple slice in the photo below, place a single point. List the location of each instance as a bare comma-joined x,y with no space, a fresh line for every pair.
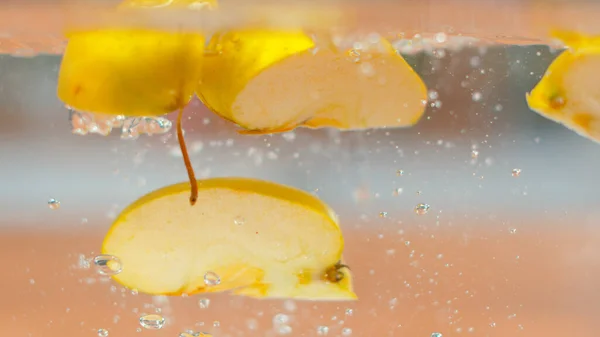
251,237
273,81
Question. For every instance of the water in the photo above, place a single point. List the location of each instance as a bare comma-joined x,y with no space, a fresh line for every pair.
499,192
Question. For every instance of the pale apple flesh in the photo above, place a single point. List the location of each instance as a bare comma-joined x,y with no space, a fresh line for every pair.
262,240
311,88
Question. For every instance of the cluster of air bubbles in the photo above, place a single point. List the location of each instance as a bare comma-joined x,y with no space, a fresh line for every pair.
322,330
83,123
152,322
281,324
432,44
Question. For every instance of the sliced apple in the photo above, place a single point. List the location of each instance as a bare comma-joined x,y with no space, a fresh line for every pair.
272,81
134,71
567,93
256,238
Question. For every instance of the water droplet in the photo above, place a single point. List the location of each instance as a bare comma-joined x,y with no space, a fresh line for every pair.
476,96
516,172
53,203
322,330
152,322
203,303
211,279
239,220
436,334
383,214
422,209
102,333
346,332
108,265
400,173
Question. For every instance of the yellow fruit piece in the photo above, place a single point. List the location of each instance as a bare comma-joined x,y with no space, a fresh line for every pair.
259,238
567,93
274,81
131,71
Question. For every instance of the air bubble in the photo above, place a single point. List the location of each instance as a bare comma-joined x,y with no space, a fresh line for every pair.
476,96
203,303
516,172
239,221
102,333
322,330
436,334
211,279
400,173
53,204
152,322
108,265
422,209
346,332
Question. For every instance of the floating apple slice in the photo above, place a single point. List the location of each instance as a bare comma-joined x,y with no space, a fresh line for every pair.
568,93
134,71
272,81
250,237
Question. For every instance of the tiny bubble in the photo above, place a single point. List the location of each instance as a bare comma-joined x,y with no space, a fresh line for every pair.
211,279
203,303
152,322
108,265
102,333
322,330
53,204
516,172
422,209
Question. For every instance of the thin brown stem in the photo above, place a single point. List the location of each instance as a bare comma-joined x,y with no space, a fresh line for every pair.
186,160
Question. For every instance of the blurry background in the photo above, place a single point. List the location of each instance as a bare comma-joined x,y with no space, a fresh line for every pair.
510,245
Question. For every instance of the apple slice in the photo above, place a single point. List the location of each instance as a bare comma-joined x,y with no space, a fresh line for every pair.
272,81
134,71
251,237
